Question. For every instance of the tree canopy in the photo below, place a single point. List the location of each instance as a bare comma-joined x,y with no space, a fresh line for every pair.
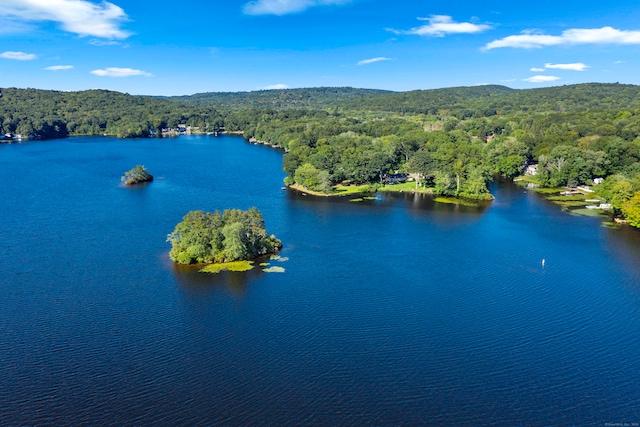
137,175
204,237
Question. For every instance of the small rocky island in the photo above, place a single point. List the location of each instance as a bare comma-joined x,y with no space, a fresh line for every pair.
227,240
137,175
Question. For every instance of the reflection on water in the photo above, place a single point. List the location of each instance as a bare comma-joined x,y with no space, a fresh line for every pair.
387,199
235,283
427,202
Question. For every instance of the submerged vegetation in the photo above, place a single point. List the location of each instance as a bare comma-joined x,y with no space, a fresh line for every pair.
453,141
237,266
233,235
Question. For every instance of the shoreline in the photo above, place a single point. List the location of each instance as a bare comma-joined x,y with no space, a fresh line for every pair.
548,193
254,141
305,191
357,194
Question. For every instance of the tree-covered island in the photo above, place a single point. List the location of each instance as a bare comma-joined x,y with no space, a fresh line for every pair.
137,175
233,235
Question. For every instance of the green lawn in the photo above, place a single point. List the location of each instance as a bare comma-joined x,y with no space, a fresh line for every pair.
346,190
408,186
571,198
527,178
587,212
336,190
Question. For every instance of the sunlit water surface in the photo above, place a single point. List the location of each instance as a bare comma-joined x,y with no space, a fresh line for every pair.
395,311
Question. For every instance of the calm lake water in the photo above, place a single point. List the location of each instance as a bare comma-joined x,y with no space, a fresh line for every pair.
390,312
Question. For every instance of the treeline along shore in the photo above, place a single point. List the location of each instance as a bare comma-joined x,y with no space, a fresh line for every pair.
452,141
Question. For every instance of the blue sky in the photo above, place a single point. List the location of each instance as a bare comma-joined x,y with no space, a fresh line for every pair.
177,48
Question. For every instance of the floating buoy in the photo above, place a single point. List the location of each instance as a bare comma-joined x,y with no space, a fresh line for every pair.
542,262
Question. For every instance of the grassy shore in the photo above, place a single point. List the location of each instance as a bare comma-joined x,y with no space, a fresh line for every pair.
405,187
360,192
337,190
575,204
354,190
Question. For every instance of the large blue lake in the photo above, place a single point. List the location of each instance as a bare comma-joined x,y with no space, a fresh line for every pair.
395,311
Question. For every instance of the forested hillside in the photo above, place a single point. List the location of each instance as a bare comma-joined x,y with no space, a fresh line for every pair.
321,97
461,102
488,100
51,114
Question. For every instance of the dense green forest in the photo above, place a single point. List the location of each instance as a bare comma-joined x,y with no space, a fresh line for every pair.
137,175
453,140
51,114
489,100
204,237
461,102
321,97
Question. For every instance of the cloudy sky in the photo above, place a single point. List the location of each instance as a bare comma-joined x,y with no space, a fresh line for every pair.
176,48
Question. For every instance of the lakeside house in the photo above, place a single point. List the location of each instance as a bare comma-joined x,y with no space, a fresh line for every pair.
531,170
602,206
394,178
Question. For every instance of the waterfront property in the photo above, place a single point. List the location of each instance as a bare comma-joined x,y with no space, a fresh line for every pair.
394,178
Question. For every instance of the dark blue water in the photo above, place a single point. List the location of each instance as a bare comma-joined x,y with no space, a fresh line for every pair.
397,311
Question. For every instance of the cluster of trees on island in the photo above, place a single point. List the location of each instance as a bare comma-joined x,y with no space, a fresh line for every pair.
455,140
204,237
137,175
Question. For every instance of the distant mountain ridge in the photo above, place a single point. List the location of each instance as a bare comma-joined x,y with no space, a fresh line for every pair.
485,100
317,97
52,114
488,100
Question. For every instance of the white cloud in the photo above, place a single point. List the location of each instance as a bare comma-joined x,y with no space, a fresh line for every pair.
75,16
97,42
277,86
284,7
604,35
18,56
537,70
541,79
578,66
372,60
619,62
508,80
59,68
441,25
120,72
